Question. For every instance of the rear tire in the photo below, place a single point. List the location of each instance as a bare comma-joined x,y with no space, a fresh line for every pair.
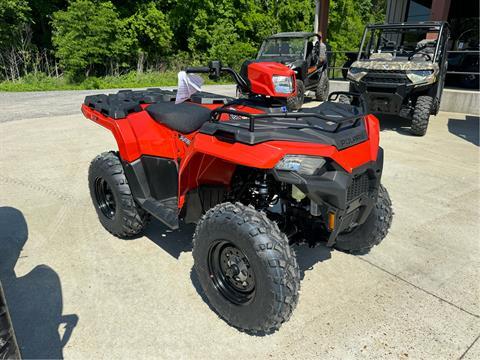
421,115
268,293
323,86
372,231
116,208
296,102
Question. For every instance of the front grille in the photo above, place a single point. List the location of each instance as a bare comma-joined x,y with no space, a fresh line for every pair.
359,186
386,80
379,71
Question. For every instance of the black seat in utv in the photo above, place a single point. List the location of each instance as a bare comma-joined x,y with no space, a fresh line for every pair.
184,118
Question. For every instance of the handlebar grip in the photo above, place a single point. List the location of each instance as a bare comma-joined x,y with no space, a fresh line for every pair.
199,69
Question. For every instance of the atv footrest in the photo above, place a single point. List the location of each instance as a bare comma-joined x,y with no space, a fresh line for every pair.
164,210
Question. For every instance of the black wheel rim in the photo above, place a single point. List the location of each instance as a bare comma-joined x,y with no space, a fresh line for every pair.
105,199
231,272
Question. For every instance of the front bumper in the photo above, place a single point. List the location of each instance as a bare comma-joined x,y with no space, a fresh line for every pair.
349,196
386,95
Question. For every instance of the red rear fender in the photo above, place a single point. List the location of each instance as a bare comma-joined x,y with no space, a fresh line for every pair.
137,134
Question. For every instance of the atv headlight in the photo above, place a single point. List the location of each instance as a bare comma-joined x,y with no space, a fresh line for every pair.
356,73
282,84
306,165
421,76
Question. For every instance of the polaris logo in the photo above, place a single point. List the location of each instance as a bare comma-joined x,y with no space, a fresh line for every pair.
352,140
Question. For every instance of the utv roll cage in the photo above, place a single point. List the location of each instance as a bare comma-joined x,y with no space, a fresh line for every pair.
433,26
290,35
293,34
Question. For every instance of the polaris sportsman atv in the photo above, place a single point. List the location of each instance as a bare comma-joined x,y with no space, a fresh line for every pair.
401,70
305,54
253,177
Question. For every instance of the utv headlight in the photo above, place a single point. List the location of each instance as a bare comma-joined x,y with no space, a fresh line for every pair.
306,165
421,76
282,84
356,73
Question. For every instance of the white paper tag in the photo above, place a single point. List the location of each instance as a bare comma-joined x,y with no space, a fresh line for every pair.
188,84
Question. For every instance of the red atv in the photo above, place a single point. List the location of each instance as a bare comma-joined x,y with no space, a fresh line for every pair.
252,176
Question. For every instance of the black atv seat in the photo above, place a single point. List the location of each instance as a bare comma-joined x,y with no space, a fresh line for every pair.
184,118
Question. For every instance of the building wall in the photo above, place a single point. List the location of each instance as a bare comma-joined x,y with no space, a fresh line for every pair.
396,11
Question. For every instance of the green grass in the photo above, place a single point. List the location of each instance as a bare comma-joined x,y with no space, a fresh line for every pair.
41,82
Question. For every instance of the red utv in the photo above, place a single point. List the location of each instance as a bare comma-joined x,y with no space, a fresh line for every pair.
253,177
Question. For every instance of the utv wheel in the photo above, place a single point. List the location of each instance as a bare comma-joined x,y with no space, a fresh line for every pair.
112,198
246,267
421,115
296,102
362,238
344,99
323,86
239,93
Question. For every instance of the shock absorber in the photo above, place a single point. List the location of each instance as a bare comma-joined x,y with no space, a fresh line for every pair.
262,192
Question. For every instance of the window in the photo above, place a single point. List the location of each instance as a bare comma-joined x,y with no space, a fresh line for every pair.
419,10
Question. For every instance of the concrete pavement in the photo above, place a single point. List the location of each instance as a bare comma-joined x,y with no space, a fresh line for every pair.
78,292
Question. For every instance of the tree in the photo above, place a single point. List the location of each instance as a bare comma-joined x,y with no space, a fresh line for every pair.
42,11
105,36
225,44
87,36
150,32
296,15
347,19
14,16
227,30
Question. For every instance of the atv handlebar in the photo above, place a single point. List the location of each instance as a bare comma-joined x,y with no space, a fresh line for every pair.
214,69
197,69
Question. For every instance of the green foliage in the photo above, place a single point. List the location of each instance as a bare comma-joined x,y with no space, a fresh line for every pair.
296,15
150,30
14,16
42,82
345,25
85,35
114,37
41,13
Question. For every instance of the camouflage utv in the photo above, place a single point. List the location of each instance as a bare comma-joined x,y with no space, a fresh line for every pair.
400,70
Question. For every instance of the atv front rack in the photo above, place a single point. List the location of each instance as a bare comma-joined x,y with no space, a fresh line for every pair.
216,114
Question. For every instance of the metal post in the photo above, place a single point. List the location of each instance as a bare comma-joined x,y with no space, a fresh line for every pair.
321,17
440,9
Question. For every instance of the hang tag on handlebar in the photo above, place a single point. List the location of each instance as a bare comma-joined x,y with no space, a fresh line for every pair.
188,84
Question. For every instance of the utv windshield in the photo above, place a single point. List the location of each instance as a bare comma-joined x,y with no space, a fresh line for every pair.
400,43
282,47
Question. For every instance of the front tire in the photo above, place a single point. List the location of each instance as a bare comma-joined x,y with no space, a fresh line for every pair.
323,87
421,115
296,102
344,99
372,231
112,198
246,267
